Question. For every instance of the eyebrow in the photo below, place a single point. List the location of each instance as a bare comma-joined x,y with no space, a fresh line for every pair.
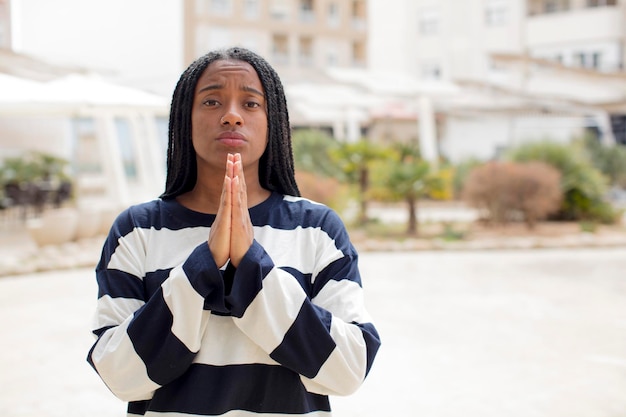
220,86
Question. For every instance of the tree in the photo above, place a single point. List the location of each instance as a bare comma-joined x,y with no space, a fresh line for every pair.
409,178
355,160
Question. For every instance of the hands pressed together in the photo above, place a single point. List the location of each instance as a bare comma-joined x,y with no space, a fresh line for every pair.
232,234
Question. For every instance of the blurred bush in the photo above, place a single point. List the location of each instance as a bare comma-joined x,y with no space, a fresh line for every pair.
509,191
583,186
610,160
461,172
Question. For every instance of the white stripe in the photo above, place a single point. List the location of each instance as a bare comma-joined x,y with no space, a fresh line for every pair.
112,311
120,367
225,344
273,310
143,250
293,199
344,299
309,250
186,305
344,370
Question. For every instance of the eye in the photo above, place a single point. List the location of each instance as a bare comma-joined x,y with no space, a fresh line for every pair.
252,104
210,102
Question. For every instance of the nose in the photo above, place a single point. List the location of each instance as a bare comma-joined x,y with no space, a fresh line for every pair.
231,117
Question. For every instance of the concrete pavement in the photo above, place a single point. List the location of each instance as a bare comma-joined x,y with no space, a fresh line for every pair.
498,333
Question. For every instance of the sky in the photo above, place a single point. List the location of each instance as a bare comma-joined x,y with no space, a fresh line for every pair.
132,41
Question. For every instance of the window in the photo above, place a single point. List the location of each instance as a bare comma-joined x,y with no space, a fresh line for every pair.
307,12
496,12
358,54
127,150
596,60
553,6
221,7
280,49
162,129
600,3
305,51
431,71
333,17
428,22
358,14
251,9
279,9
85,147
332,58
588,59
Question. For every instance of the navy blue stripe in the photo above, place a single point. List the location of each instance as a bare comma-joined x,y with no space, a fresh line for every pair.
307,344
274,212
303,279
153,280
165,356
372,342
206,278
258,388
249,275
117,283
138,407
343,268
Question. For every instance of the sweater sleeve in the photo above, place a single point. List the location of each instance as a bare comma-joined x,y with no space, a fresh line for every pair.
327,338
144,343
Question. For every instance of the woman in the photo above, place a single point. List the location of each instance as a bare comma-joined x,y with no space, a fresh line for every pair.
230,295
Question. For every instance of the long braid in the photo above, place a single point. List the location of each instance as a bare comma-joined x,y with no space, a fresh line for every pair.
276,166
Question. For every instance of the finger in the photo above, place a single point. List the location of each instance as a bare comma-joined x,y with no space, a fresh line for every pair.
219,235
242,233
238,172
230,166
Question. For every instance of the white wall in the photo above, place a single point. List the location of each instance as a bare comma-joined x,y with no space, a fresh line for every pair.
483,137
390,38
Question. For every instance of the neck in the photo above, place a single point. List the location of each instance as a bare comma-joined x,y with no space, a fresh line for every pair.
206,195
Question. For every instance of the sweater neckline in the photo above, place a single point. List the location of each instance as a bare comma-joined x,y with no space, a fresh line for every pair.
196,217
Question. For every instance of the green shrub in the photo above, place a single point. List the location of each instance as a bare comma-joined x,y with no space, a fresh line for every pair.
461,172
583,186
610,160
311,152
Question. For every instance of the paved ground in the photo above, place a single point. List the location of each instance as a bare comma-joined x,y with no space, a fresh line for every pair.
503,334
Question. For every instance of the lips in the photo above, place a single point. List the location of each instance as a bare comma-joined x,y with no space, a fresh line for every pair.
231,139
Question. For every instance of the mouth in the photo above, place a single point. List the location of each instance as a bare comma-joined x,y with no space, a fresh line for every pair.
231,139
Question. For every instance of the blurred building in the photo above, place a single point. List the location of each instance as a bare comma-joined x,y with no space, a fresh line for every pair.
529,69
298,37
113,137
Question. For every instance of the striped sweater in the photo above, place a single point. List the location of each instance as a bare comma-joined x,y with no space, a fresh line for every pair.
179,336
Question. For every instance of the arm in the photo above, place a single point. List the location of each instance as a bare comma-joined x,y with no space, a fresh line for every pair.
327,338
142,343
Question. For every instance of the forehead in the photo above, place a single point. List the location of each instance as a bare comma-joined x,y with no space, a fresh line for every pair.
223,71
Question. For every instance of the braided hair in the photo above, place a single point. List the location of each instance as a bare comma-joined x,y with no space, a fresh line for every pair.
276,166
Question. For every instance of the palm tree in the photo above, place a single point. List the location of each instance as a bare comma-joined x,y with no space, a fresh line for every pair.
355,159
410,178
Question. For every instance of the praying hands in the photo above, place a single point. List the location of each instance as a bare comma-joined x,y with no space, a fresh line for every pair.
231,234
